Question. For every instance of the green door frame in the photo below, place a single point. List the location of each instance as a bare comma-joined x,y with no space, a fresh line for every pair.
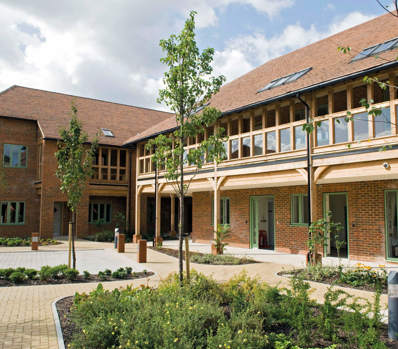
254,242
348,217
386,225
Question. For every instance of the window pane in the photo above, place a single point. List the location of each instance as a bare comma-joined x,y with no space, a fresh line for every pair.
245,125
108,213
113,157
339,101
258,122
122,158
101,212
13,212
113,174
322,105
299,137
95,212
90,213
21,212
284,115
104,174
340,130
360,124
381,94
234,127
299,112
295,209
246,147
15,153
258,144
234,148
285,139
23,156
104,157
305,218
7,155
270,118
383,123
359,93
224,126
147,165
142,149
225,145
322,133
271,142
142,166
3,213
227,214
122,175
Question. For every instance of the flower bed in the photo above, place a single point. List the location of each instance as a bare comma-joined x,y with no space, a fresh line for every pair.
241,313
61,274
205,258
361,277
12,242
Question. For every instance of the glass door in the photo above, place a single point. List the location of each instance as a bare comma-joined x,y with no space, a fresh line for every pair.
262,222
254,220
391,224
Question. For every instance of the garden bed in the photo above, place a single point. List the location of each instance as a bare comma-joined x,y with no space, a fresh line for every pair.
240,313
14,242
205,258
361,277
61,274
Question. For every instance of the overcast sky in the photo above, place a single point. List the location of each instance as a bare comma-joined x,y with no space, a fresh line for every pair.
109,49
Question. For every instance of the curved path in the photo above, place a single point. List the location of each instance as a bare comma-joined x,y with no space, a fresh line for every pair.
26,319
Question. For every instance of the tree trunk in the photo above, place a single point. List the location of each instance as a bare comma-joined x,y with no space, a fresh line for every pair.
73,240
181,220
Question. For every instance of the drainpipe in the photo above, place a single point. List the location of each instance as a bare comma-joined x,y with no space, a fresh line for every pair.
309,186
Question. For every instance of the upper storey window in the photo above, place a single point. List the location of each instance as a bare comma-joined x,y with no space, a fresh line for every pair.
15,155
285,80
376,49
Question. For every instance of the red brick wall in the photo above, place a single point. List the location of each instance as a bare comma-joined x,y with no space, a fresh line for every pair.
20,182
365,215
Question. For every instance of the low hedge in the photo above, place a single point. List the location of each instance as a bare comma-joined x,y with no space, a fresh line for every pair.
13,242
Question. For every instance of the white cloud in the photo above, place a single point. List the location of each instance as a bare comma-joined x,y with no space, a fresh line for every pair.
257,48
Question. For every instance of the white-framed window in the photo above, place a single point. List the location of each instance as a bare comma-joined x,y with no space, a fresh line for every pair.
299,209
12,213
15,155
100,213
225,211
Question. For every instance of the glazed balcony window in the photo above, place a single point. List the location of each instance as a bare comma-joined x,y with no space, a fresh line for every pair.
110,165
340,130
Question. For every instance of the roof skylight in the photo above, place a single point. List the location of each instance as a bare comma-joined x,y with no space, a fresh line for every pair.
285,79
373,50
107,133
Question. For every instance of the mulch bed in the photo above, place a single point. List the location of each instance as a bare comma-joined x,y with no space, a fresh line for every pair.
79,279
174,253
333,280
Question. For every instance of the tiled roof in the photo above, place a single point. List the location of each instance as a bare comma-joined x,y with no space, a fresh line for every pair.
323,57
52,111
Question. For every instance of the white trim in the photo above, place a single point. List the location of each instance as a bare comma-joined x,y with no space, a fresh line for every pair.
60,337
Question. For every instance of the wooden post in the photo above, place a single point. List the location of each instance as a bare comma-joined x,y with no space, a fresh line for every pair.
172,215
35,241
141,251
137,234
187,257
216,217
70,232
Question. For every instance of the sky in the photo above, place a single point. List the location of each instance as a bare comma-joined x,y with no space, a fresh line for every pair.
110,49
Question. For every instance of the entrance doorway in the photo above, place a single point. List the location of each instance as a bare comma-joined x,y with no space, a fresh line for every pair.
391,212
337,205
262,234
58,221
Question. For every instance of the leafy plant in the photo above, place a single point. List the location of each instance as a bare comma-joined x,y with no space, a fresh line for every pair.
17,277
223,232
71,274
86,274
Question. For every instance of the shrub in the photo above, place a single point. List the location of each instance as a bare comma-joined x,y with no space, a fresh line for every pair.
5,273
45,273
223,232
58,271
129,270
31,273
17,277
219,259
86,274
102,236
102,276
71,274
108,272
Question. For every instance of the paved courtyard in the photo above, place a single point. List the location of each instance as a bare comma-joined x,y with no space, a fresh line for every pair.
26,318
93,260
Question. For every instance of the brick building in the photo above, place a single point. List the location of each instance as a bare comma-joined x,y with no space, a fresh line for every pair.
260,190
30,200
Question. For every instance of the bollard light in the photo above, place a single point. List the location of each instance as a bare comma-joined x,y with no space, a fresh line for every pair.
35,241
393,305
116,236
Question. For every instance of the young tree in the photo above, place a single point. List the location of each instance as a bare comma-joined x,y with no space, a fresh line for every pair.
189,85
74,169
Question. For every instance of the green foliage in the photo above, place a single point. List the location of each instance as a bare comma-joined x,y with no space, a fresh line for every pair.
86,275
223,232
31,273
17,277
320,232
71,274
219,259
74,160
120,219
240,313
102,236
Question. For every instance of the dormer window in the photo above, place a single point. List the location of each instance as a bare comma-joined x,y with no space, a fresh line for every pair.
376,49
107,133
285,80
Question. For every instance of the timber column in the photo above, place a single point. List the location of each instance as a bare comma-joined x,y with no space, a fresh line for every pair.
137,235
